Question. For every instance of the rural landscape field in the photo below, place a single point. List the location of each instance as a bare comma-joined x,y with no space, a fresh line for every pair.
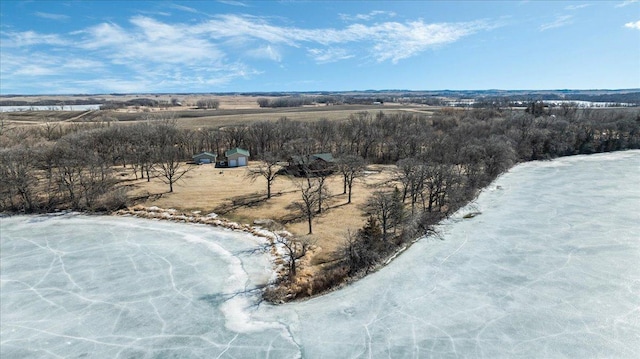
319,179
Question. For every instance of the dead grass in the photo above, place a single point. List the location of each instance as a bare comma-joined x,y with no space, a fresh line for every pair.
233,110
209,189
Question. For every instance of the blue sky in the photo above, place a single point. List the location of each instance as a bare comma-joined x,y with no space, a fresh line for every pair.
69,47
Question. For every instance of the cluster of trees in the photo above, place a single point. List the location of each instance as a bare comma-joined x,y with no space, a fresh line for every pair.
139,102
476,143
288,101
52,166
208,104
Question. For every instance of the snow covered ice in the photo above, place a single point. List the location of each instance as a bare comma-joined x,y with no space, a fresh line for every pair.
548,269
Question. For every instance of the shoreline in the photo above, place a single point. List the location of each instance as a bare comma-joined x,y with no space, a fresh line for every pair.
212,219
278,281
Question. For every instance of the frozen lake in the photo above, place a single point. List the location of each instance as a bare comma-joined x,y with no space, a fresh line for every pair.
549,269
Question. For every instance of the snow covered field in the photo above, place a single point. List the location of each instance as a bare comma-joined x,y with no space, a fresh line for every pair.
50,108
548,269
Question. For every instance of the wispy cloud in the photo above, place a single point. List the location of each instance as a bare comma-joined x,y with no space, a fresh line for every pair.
266,52
57,17
576,7
560,21
150,41
324,56
30,38
148,54
233,3
385,41
626,3
633,25
183,8
366,17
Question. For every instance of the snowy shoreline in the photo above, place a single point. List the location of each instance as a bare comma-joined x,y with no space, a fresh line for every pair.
212,219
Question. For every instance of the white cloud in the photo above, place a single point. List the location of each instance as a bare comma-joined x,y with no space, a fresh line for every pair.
323,56
45,64
633,25
233,3
395,41
386,41
146,54
150,41
266,52
30,38
57,17
183,8
577,7
233,26
560,21
626,3
366,17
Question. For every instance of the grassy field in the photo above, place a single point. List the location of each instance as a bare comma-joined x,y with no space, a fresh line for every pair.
233,110
235,196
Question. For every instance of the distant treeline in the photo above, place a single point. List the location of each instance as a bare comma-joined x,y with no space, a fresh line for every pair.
629,98
140,102
297,101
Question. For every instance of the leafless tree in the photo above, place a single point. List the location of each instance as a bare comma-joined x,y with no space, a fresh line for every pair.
350,167
294,250
18,176
170,167
309,192
208,103
269,169
387,208
3,123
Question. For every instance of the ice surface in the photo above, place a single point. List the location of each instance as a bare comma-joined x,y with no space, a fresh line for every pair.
550,268
107,287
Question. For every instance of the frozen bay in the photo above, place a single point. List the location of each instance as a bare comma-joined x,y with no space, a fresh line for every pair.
548,269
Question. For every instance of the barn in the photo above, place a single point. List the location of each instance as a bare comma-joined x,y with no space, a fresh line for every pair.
237,157
204,158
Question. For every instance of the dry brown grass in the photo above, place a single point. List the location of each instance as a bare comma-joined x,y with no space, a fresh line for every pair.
233,110
210,189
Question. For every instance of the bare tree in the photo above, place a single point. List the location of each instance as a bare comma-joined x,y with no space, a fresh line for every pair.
3,123
169,166
323,190
387,208
18,176
350,167
309,191
294,250
208,103
269,169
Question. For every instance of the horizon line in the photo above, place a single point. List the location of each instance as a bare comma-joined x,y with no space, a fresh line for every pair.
309,92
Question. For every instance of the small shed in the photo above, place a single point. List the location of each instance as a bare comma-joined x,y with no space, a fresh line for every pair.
204,158
237,157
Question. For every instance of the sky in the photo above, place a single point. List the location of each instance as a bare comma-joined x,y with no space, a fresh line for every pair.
97,47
